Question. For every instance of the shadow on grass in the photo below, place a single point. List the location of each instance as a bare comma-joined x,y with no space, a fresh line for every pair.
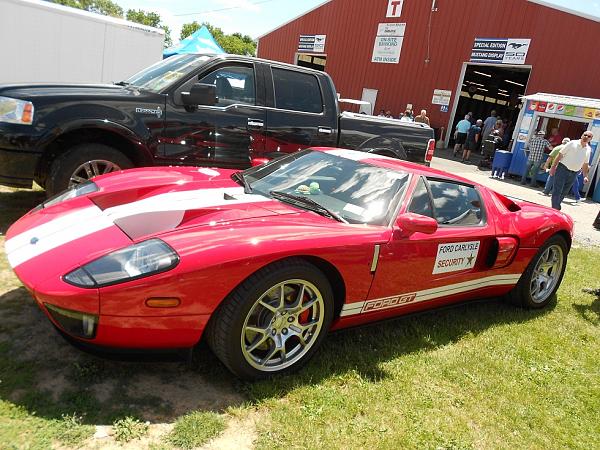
14,204
361,350
590,312
44,374
41,372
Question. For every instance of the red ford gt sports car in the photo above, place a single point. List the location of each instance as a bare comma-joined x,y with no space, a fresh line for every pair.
263,263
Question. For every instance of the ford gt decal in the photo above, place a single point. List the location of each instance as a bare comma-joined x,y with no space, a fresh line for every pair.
399,300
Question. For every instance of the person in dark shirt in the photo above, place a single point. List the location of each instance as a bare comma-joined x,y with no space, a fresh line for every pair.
473,137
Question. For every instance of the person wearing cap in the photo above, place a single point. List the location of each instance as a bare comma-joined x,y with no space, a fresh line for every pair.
535,158
548,164
572,158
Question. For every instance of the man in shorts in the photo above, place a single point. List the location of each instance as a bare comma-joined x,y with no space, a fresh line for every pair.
473,138
460,135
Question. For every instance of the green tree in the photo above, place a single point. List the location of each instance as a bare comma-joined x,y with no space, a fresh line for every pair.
105,7
235,43
151,19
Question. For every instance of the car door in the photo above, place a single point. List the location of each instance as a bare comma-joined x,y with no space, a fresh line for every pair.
423,270
223,135
299,115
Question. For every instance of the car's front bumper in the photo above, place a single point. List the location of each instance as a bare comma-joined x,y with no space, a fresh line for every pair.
20,153
17,167
120,332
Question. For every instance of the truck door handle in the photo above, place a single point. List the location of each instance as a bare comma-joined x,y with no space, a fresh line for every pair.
255,123
325,130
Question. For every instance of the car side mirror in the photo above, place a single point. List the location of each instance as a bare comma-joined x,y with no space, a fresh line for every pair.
200,94
410,223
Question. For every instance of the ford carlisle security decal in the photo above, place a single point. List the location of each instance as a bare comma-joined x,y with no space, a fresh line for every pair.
456,256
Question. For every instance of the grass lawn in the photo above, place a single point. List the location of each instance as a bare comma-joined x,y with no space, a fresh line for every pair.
477,376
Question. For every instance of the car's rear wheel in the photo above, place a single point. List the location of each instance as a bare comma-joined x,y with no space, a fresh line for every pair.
274,321
82,163
540,281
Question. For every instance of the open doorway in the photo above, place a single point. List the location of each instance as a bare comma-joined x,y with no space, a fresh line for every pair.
311,61
489,87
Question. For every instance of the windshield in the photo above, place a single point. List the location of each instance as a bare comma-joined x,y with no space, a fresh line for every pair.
352,190
168,71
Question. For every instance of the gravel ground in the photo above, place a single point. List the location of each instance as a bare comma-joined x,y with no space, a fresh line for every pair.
583,213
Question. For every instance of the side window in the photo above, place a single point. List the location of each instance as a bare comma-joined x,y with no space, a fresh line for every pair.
235,84
297,91
421,202
456,204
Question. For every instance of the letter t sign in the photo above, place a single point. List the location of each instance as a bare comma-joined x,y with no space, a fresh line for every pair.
394,8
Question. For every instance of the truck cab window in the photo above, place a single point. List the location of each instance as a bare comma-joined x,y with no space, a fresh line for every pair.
297,91
234,84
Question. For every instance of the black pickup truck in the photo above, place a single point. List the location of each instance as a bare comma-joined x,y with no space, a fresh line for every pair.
225,111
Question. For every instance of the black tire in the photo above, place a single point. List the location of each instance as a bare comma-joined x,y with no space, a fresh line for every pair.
230,332
529,292
68,166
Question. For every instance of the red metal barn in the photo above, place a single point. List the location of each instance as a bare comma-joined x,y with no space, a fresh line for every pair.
487,52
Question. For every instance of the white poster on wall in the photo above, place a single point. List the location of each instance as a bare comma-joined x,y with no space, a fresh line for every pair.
394,8
516,51
387,49
441,97
391,29
388,43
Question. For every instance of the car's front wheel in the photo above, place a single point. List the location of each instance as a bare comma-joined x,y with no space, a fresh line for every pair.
540,281
274,321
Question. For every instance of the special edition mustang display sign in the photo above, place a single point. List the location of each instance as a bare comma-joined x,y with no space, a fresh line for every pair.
263,263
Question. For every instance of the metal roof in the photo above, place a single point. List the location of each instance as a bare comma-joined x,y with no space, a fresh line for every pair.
590,11
564,100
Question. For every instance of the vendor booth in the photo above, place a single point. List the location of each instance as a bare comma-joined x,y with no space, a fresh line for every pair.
202,41
571,116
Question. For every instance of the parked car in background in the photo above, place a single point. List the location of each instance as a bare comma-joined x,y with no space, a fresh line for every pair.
224,111
263,263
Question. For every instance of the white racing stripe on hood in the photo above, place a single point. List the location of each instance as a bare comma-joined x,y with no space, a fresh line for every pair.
165,211
86,221
184,201
53,234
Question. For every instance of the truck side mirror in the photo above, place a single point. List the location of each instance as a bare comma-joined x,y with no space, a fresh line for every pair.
410,223
200,94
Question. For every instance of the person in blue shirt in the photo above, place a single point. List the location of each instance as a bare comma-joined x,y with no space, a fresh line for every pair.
460,134
473,138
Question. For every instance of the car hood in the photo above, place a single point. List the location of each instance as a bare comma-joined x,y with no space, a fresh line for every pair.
129,207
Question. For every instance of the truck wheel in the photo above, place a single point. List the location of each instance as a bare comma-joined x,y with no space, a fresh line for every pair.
274,321
540,281
82,163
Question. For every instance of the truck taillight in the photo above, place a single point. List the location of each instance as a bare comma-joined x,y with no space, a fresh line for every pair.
430,150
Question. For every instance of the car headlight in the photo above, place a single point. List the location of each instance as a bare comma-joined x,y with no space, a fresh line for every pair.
13,110
130,263
76,191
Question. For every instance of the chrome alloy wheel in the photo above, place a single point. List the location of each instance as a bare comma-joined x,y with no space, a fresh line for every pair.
546,274
90,169
282,325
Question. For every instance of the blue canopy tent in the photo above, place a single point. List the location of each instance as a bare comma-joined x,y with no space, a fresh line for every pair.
199,42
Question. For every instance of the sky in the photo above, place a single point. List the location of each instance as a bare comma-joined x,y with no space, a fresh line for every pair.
251,17
257,17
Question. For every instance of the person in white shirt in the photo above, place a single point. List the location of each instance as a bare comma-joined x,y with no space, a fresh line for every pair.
572,158
406,117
